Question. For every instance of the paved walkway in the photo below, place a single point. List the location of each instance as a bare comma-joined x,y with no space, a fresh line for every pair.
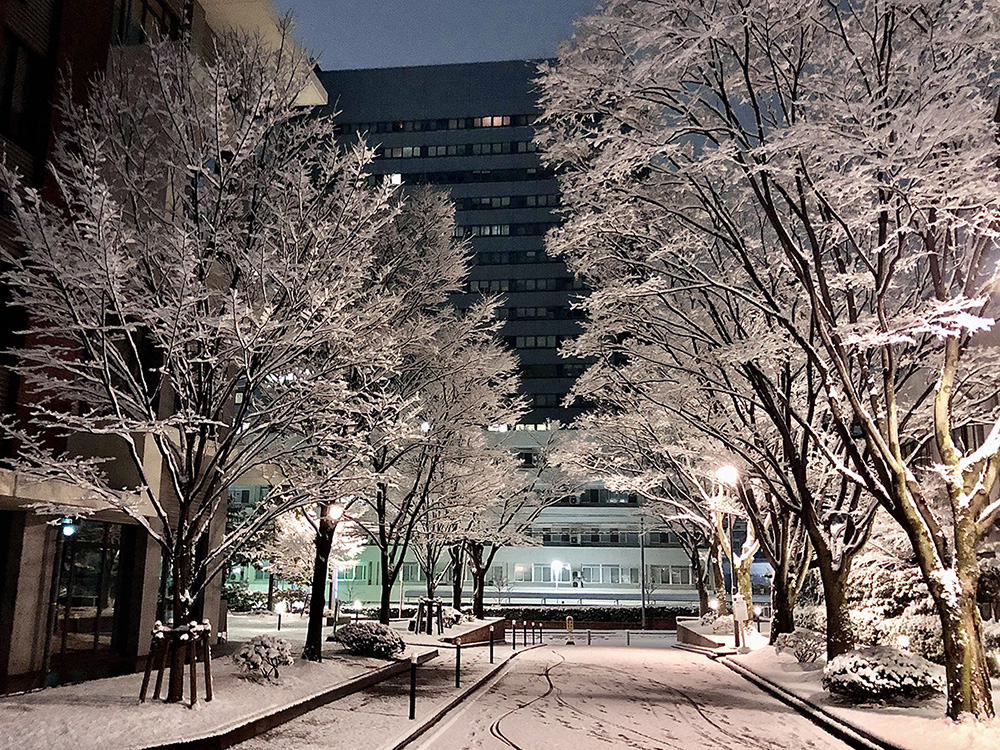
647,695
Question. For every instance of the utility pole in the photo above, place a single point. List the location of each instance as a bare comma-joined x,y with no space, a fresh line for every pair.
642,568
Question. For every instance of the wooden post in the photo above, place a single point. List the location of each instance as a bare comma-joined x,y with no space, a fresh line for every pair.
165,649
193,658
209,687
149,669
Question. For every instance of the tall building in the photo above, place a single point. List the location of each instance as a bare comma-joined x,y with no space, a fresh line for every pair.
78,598
467,128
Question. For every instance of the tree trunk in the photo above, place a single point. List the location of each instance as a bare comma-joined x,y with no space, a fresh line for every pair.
701,583
385,599
718,577
839,629
457,569
431,587
479,592
743,583
313,650
782,606
181,574
272,581
965,658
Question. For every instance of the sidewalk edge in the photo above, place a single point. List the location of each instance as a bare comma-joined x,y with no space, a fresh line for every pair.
854,736
257,726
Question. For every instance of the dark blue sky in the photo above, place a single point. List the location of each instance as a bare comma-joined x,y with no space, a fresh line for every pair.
388,33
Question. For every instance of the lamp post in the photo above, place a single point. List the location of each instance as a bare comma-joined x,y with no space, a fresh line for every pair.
557,569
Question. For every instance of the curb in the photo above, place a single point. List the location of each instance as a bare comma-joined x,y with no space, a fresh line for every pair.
254,727
430,721
712,653
854,736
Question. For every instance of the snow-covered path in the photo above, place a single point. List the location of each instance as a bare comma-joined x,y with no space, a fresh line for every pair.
581,698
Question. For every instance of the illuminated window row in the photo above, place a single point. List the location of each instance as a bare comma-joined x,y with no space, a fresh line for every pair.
518,257
465,177
532,229
453,123
562,370
539,313
534,342
543,400
485,203
456,149
560,284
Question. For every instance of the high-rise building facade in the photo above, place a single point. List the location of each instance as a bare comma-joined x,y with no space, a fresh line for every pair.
468,129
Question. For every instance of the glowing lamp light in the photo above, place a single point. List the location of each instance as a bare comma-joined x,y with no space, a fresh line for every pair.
728,475
336,512
68,527
357,604
903,642
757,610
280,608
713,605
425,427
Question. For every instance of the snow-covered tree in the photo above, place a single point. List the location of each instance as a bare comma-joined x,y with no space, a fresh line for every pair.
204,297
459,379
848,152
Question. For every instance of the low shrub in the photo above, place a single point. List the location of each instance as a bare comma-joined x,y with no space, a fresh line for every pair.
625,615
260,657
371,639
807,646
880,673
239,598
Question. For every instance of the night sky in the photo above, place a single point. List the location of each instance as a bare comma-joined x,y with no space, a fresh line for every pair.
388,33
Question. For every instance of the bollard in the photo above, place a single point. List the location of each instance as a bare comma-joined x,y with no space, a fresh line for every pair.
458,662
628,640
588,637
513,635
525,633
491,644
279,621
413,687
533,633
540,632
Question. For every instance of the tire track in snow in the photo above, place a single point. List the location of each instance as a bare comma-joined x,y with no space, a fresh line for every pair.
495,727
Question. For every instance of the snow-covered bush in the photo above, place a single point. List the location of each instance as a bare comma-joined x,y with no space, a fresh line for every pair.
811,617
881,673
260,657
805,645
707,619
371,639
722,624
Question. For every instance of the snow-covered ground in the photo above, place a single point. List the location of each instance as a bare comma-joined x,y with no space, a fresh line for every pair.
107,715
611,697
919,727
574,697
378,716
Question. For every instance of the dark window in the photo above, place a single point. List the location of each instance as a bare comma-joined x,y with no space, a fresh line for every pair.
22,93
136,21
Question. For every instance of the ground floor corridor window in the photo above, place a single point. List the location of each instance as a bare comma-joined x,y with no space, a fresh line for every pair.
86,588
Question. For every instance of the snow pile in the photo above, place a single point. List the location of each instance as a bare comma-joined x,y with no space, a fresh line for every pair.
880,673
260,657
806,645
371,639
